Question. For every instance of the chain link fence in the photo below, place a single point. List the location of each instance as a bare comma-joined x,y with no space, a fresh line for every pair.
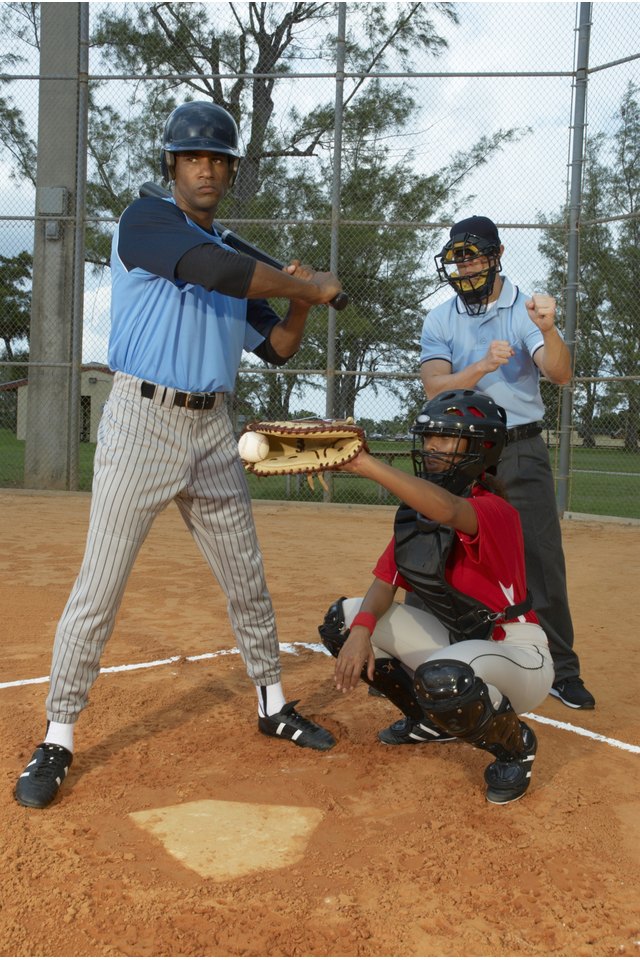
367,130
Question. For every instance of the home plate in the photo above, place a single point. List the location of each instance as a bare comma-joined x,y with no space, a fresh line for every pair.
222,840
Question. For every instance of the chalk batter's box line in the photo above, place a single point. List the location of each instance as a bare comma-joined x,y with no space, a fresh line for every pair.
318,648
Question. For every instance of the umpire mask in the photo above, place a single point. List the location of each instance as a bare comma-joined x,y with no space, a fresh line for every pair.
475,238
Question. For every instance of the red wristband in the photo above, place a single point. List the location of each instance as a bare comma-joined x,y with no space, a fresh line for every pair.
364,619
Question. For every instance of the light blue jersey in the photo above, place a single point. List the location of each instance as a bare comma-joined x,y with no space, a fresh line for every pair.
450,333
169,332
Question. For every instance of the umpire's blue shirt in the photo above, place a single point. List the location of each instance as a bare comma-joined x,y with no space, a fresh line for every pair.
450,333
164,330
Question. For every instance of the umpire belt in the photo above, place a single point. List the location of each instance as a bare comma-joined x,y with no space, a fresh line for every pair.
168,397
523,431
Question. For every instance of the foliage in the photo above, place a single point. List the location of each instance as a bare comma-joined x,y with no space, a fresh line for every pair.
608,334
287,171
15,301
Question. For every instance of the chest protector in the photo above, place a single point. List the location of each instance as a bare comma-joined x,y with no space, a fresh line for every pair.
421,550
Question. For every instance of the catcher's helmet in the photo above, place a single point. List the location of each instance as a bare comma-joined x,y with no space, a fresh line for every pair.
200,125
461,413
470,239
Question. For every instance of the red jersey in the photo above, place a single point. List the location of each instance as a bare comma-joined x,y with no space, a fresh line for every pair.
489,566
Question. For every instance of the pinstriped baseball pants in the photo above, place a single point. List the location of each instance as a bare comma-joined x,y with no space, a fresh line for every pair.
147,456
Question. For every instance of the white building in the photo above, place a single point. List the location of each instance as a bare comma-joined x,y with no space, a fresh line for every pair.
95,386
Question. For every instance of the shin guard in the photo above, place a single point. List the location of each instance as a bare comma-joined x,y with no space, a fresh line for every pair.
457,701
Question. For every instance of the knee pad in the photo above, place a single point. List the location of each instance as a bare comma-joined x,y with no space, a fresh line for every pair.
450,690
333,632
458,701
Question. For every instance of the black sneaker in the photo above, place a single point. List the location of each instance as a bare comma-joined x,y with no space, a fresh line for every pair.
508,779
291,726
407,730
573,693
44,773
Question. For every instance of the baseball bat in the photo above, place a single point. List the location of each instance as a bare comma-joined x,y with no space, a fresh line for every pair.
151,189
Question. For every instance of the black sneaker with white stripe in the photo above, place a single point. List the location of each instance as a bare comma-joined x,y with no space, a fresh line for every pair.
44,773
507,780
290,725
573,693
407,730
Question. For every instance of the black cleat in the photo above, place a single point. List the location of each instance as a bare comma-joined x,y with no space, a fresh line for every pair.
407,730
291,726
44,773
508,780
573,693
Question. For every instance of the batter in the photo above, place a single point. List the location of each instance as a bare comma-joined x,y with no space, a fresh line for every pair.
184,307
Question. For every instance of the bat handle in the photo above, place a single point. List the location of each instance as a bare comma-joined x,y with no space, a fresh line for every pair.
340,301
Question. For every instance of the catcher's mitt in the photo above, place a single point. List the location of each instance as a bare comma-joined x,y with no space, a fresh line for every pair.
305,446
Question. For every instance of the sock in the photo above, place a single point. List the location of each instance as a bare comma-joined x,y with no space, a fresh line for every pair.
61,734
270,699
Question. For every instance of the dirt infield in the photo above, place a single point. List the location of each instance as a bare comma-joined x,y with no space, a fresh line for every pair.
404,856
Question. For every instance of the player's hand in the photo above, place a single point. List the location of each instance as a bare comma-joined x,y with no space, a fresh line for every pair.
542,310
326,284
300,270
357,465
356,653
499,353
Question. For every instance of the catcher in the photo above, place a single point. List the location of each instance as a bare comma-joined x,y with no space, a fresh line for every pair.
476,657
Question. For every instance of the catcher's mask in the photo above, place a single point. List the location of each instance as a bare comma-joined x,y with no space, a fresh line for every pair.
460,413
199,125
472,239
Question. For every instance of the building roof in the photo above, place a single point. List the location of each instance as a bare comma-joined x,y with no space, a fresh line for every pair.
16,384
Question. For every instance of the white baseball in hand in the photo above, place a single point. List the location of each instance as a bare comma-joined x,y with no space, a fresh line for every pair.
253,446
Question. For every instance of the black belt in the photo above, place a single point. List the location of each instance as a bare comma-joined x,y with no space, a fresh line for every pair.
524,431
192,401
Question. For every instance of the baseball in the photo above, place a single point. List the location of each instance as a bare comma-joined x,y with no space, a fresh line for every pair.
253,446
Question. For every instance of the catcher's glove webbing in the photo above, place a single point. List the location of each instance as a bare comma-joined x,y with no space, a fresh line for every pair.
306,446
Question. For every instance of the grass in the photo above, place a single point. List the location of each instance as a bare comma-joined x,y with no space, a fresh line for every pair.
604,481
12,462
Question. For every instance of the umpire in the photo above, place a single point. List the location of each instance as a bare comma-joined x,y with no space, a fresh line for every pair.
184,307
493,338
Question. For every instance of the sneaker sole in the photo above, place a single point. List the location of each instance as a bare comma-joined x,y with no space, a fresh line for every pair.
567,703
500,801
413,742
24,802
501,797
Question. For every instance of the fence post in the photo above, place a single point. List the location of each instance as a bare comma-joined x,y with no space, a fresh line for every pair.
77,319
330,398
573,249
50,448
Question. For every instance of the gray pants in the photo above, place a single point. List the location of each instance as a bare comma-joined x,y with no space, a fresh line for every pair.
149,455
518,667
526,473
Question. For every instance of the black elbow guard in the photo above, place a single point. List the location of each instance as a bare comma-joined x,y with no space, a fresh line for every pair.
266,352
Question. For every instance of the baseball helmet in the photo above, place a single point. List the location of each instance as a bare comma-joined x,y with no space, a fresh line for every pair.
460,413
469,239
200,125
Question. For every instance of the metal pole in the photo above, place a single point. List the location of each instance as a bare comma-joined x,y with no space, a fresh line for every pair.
330,398
78,249
573,249
335,203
